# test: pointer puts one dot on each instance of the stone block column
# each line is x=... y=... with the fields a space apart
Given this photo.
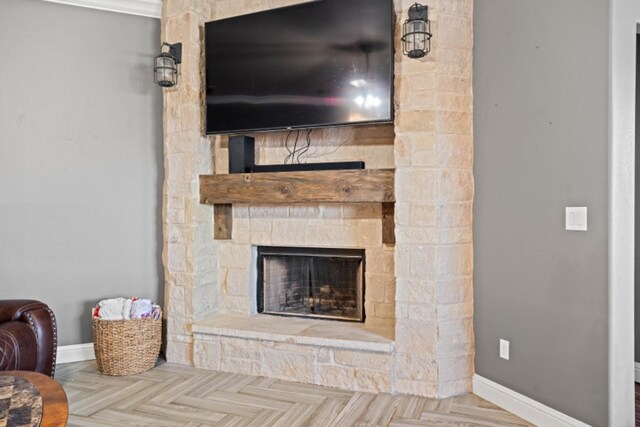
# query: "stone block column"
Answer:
x=434 y=193
x=189 y=252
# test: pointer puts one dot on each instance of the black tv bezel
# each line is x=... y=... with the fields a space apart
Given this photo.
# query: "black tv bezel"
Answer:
x=306 y=126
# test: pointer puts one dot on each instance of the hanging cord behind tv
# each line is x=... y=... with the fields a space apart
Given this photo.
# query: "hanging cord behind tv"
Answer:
x=298 y=153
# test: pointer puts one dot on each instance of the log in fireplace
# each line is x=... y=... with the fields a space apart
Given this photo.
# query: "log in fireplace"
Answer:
x=311 y=282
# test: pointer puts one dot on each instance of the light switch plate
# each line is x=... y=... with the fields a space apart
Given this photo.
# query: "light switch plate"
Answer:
x=576 y=218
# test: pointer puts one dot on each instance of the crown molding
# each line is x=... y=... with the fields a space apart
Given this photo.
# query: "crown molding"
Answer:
x=149 y=8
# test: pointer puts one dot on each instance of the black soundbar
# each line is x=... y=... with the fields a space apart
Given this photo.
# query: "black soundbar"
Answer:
x=306 y=167
x=242 y=160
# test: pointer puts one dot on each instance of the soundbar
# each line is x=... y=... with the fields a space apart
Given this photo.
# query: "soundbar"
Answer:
x=306 y=167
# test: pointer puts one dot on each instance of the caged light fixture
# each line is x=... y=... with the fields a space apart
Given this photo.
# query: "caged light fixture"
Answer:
x=165 y=69
x=416 y=32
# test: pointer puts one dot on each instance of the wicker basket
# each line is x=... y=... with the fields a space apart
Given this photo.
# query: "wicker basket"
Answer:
x=126 y=347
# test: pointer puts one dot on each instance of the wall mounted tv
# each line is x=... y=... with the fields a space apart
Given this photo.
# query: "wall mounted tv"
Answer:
x=321 y=63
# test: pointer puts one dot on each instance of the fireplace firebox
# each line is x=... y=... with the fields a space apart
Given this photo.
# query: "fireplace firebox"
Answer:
x=309 y=282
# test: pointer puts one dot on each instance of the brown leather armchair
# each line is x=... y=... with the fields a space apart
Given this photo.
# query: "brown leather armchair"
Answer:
x=28 y=337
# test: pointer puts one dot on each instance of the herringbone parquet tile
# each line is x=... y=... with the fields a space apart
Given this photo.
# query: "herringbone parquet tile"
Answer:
x=172 y=395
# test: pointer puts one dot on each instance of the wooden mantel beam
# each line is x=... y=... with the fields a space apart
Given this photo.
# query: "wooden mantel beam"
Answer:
x=338 y=186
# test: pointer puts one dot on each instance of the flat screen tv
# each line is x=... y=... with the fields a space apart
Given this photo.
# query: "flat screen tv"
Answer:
x=321 y=63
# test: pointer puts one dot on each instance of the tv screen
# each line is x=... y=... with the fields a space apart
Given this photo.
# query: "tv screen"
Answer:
x=323 y=63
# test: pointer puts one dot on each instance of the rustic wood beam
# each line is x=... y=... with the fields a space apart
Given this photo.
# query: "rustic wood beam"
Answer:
x=388 y=223
x=222 y=222
x=339 y=186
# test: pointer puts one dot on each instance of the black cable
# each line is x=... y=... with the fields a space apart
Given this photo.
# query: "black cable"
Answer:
x=305 y=149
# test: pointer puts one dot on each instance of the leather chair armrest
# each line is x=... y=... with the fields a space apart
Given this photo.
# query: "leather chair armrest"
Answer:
x=42 y=322
x=14 y=309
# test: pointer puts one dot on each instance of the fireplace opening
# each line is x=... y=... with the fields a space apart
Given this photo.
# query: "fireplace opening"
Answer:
x=310 y=282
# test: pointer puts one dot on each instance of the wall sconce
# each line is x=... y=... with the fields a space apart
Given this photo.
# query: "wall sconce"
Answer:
x=416 y=32
x=165 y=70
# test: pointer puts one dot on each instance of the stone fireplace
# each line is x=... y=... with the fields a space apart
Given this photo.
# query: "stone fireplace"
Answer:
x=417 y=334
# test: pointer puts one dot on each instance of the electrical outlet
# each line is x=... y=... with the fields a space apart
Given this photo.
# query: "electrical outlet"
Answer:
x=504 y=349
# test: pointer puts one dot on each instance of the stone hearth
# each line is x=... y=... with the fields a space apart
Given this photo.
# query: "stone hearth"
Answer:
x=418 y=333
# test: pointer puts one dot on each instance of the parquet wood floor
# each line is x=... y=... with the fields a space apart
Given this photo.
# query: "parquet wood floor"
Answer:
x=173 y=395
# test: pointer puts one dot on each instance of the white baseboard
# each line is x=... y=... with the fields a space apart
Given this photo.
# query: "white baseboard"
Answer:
x=75 y=353
x=522 y=406
x=637 y=372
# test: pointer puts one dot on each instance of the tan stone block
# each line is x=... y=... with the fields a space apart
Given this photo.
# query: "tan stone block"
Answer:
x=177 y=233
x=372 y=381
x=403 y=213
x=418 y=312
x=176 y=257
x=454 y=31
x=202 y=301
x=363 y=359
x=330 y=211
x=454 y=84
x=379 y=156
x=424 y=261
x=379 y=260
x=455 y=260
x=234 y=256
x=375 y=287
x=455 y=185
x=416 y=337
x=390 y=289
x=385 y=310
x=304 y=211
x=236 y=282
x=403 y=261
x=268 y=211
x=335 y=376
x=238 y=348
x=325 y=355
x=416 y=185
x=174 y=216
x=424 y=159
x=190 y=116
x=239 y=366
x=206 y=355
x=454 y=61
x=416 y=121
x=423 y=215
x=288 y=365
x=369 y=233
x=235 y=305
x=456 y=7
x=330 y=236
x=453 y=122
x=455 y=368
x=455 y=151
x=417 y=235
x=417 y=368
x=180 y=353
x=289 y=232
x=402 y=151
x=456 y=338
x=453 y=235
x=455 y=214
x=260 y=225
x=452 y=291
x=454 y=102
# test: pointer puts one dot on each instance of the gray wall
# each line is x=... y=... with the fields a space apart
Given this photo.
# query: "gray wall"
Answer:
x=637 y=207
x=80 y=159
x=541 y=123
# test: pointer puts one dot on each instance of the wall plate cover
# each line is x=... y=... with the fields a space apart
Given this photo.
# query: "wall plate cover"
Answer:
x=576 y=218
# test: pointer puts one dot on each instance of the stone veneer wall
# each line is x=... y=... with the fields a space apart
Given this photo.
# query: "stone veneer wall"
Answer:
x=432 y=154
